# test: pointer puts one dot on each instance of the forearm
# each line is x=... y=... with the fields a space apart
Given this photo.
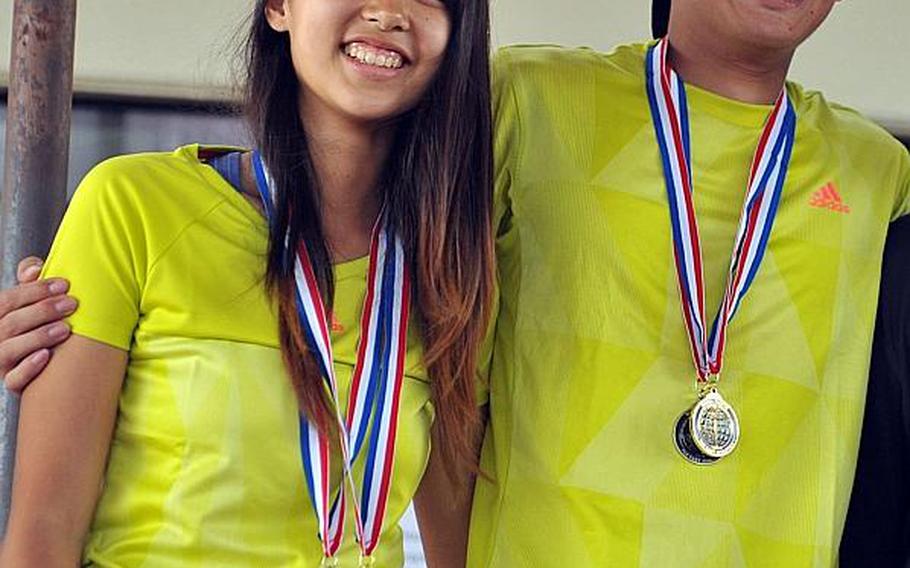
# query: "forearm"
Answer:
x=66 y=420
x=444 y=512
x=40 y=540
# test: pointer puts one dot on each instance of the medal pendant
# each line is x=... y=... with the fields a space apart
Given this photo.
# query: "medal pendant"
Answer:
x=714 y=426
x=708 y=431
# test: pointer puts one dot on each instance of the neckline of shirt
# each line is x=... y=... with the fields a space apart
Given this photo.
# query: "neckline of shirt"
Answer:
x=745 y=114
x=345 y=270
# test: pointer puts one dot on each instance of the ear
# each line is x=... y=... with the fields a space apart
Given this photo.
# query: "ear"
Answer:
x=277 y=14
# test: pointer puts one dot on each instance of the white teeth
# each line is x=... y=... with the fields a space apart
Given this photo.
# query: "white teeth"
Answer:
x=369 y=55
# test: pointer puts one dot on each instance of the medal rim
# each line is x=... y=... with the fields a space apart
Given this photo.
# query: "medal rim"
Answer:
x=682 y=423
x=714 y=397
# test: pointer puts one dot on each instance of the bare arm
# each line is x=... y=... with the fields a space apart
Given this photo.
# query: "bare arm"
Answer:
x=66 y=421
x=444 y=512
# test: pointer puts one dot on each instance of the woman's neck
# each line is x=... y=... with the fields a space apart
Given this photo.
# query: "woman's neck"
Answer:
x=349 y=157
x=349 y=160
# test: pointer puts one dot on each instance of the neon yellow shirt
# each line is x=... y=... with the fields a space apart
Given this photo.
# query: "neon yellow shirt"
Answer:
x=591 y=364
x=167 y=261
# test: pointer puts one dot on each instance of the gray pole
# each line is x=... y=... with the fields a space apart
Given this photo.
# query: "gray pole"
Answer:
x=39 y=105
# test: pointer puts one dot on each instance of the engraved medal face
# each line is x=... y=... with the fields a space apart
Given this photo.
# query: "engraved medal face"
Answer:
x=713 y=426
x=685 y=445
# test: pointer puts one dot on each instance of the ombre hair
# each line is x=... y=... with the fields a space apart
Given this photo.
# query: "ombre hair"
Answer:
x=436 y=191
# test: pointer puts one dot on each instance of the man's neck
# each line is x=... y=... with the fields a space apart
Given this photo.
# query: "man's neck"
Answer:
x=750 y=75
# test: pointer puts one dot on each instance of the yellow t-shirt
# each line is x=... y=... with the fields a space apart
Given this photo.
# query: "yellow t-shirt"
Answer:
x=591 y=363
x=167 y=261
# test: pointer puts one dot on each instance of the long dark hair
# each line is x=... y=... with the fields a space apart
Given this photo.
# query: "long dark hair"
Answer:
x=436 y=188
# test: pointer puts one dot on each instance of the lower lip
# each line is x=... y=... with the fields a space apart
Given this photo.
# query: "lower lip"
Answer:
x=372 y=71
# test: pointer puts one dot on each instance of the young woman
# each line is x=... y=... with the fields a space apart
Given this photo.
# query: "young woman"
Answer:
x=164 y=430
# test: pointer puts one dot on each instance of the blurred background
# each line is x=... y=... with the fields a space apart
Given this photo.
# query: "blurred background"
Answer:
x=155 y=75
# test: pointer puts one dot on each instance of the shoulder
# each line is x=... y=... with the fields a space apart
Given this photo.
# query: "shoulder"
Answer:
x=537 y=85
x=560 y=68
x=149 y=184
x=528 y=59
x=855 y=144
x=146 y=173
x=841 y=123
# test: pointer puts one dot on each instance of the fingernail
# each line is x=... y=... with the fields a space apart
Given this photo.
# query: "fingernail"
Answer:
x=65 y=306
x=31 y=272
x=58 y=331
x=39 y=357
x=58 y=286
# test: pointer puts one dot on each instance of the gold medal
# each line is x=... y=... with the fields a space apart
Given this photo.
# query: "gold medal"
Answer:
x=708 y=431
x=714 y=425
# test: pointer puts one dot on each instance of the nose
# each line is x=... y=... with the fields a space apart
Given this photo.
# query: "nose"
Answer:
x=387 y=15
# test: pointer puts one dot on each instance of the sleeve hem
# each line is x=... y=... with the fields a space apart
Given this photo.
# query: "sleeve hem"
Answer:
x=103 y=332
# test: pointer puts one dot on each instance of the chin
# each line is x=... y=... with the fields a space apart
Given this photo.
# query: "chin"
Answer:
x=773 y=39
x=777 y=37
x=783 y=24
x=375 y=113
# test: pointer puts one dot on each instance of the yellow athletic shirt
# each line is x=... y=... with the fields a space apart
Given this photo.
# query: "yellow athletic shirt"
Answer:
x=591 y=363
x=167 y=261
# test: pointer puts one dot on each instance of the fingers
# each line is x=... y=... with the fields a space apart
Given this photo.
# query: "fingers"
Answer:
x=23 y=373
x=31 y=316
x=29 y=269
x=23 y=356
x=27 y=294
x=30 y=324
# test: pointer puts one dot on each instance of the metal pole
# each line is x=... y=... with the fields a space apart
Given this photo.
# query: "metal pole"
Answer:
x=39 y=104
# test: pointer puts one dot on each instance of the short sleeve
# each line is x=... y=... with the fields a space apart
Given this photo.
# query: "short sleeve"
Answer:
x=100 y=248
x=506 y=138
x=506 y=152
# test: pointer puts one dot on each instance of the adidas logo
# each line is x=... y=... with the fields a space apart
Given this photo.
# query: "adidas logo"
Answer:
x=335 y=325
x=828 y=198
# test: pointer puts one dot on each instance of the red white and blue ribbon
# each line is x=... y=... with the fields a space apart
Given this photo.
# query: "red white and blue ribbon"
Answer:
x=669 y=112
x=371 y=420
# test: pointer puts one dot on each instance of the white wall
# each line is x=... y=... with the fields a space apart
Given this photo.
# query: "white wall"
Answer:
x=156 y=48
x=181 y=48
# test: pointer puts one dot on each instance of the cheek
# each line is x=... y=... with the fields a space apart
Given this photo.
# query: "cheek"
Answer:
x=315 y=30
x=309 y=68
x=435 y=32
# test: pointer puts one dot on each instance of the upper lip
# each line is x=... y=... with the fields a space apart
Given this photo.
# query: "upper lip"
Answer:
x=381 y=44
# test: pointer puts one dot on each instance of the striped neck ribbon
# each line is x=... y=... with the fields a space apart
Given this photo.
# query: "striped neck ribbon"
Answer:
x=370 y=425
x=667 y=98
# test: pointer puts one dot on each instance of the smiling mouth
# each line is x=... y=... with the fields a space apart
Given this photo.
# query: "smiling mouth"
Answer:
x=374 y=56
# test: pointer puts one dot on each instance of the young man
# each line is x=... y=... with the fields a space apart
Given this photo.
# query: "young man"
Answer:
x=623 y=430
